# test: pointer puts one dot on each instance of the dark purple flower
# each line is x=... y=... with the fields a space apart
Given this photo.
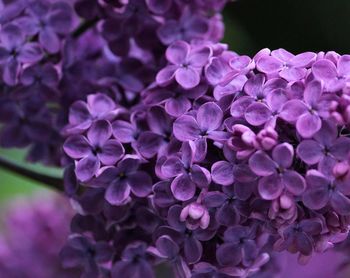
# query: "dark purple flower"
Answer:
x=191 y=240
x=187 y=175
x=123 y=179
x=42 y=80
x=322 y=191
x=206 y=124
x=186 y=65
x=239 y=247
x=97 y=107
x=275 y=172
x=325 y=149
x=14 y=50
x=307 y=115
x=133 y=262
x=298 y=237
x=176 y=100
x=81 y=252
x=228 y=206
x=95 y=149
x=48 y=20
x=188 y=27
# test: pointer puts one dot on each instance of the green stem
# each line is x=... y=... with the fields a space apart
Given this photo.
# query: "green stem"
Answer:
x=52 y=182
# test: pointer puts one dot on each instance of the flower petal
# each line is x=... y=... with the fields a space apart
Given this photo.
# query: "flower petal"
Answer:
x=112 y=151
x=140 y=183
x=193 y=250
x=222 y=173
x=270 y=187
x=283 y=154
x=77 y=146
x=99 y=132
x=269 y=64
x=261 y=164
x=292 y=110
x=257 y=114
x=209 y=116
x=166 y=75
x=187 y=77
x=316 y=198
x=310 y=151
x=324 y=70
x=308 y=124
x=183 y=188
x=186 y=128
x=177 y=52
x=117 y=193
x=294 y=182
x=123 y=131
x=340 y=203
x=87 y=167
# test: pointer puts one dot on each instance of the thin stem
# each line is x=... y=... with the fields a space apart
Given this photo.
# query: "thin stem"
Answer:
x=82 y=28
x=52 y=182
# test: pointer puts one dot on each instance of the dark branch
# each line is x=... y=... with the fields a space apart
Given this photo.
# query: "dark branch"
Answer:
x=82 y=28
x=52 y=182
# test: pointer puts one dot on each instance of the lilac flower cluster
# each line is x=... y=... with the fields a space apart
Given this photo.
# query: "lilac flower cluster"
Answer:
x=32 y=233
x=53 y=53
x=176 y=149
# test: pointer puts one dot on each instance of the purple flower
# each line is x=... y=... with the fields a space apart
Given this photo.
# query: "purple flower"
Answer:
x=188 y=27
x=239 y=247
x=191 y=240
x=325 y=149
x=186 y=65
x=133 y=262
x=41 y=80
x=264 y=100
x=307 y=114
x=176 y=100
x=275 y=172
x=83 y=114
x=241 y=141
x=323 y=191
x=229 y=207
x=333 y=76
x=123 y=179
x=287 y=65
x=154 y=141
x=95 y=149
x=167 y=249
x=195 y=215
x=82 y=252
x=48 y=21
x=298 y=237
x=205 y=124
x=187 y=175
x=14 y=50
